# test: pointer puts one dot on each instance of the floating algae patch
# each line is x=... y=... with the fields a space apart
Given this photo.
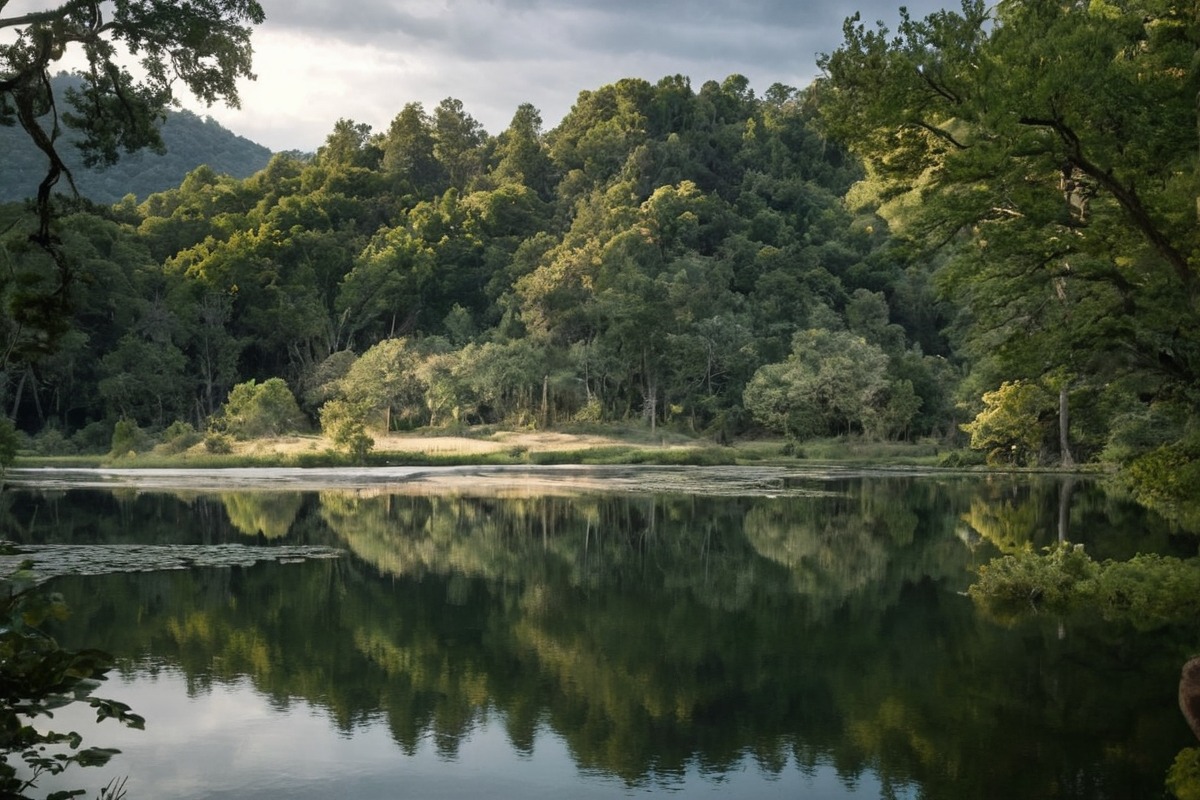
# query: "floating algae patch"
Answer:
x=54 y=560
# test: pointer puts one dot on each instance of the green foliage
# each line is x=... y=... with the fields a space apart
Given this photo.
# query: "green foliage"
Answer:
x=1032 y=579
x=128 y=438
x=37 y=676
x=1183 y=778
x=218 y=443
x=203 y=45
x=345 y=423
x=8 y=443
x=95 y=437
x=1010 y=427
x=1166 y=479
x=50 y=441
x=260 y=409
x=833 y=382
x=997 y=141
x=1136 y=432
x=1147 y=591
x=625 y=271
x=381 y=383
x=177 y=437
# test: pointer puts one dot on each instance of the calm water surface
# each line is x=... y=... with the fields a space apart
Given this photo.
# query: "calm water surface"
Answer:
x=692 y=634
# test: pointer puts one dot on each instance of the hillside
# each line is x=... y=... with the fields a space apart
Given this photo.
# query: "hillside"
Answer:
x=700 y=261
x=191 y=141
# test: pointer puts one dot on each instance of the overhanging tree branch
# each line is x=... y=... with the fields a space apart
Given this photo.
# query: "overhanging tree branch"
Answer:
x=1126 y=197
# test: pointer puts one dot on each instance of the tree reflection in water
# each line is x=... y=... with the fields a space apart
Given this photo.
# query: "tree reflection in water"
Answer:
x=661 y=633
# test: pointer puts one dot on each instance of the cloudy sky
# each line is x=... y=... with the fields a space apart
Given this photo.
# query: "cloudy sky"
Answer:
x=320 y=60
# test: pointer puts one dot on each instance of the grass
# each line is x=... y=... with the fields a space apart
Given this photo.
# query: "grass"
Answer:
x=859 y=450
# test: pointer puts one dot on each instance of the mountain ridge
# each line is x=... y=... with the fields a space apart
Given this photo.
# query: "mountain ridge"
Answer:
x=190 y=140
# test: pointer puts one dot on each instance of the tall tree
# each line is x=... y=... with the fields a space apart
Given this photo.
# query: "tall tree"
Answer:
x=458 y=138
x=1055 y=146
x=523 y=155
x=408 y=152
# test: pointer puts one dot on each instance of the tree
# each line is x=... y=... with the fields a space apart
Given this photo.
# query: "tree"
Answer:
x=143 y=379
x=1010 y=426
x=1054 y=147
x=384 y=380
x=349 y=145
x=266 y=409
x=523 y=156
x=205 y=44
x=457 y=140
x=408 y=151
x=832 y=382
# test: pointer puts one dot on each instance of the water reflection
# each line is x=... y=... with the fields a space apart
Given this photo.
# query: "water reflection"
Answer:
x=653 y=640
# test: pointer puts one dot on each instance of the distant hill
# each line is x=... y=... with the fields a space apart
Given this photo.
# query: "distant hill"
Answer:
x=191 y=140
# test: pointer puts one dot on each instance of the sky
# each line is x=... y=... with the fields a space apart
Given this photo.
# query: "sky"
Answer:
x=363 y=60
x=321 y=60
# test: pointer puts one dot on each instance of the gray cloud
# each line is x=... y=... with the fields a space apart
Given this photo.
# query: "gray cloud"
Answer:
x=496 y=54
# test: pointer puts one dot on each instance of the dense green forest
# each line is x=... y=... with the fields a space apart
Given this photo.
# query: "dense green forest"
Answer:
x=936 y=239
x=188 y=140
x=641 y=260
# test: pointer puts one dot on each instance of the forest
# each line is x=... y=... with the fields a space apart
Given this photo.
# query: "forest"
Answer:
x=938 y=239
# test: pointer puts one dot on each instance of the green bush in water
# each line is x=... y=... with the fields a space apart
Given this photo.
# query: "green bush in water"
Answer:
x=1147 y=591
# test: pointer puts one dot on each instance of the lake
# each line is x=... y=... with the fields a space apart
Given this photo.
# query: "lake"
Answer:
x=592 y=632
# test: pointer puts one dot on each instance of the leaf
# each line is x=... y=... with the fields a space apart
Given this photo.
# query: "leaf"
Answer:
x=95 y=756
x=112 y=709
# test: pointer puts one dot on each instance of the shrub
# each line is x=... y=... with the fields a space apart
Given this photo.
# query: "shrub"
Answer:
x=1165 y=479
x=95 y=437
x=218 y=443
x=962 y=458
x=1028 y=577
x=266 y=409
x=1183 y=778
x=177 y=437
x=50 y=441
x=1146 y=591
x=345 y=425
x=128 y=438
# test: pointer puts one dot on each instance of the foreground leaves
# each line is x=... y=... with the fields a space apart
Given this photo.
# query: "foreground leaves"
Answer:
x=38 y=676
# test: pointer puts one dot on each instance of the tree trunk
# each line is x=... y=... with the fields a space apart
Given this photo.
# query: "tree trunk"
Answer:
x=1064 y=424
x=650 y=408
x=17 y=395
x=545 y=401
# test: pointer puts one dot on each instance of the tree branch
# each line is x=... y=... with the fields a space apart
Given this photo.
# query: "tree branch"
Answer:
x=945 y=136
x=1126 y=197
x=937 y=87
